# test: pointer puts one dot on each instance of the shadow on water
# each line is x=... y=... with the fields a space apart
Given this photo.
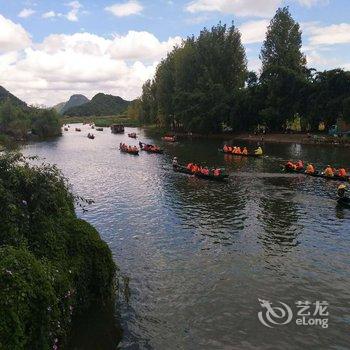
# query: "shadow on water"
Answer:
x=96 y=329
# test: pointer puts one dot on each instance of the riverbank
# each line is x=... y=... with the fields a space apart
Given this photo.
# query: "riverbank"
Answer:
x=300 y=138
x=104 y=121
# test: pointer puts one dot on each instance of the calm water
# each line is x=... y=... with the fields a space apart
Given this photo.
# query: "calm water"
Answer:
x=196 y=256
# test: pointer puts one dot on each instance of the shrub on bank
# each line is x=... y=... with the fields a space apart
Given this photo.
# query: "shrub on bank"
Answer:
x=52 y=264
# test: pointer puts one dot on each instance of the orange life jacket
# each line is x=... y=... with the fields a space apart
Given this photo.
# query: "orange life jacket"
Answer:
x=310 y=169
x=329 y=172
x=245 y=151
x=342 y=172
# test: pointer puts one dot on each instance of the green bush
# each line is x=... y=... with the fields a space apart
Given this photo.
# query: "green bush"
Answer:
x=57 y=262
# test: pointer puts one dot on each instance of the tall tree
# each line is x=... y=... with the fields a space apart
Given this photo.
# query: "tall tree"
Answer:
x=282 y=46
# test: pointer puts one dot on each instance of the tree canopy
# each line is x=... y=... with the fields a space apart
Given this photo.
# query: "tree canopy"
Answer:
x=203 y=85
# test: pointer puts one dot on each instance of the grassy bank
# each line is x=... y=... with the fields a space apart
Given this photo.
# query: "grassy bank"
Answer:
x=103 y=121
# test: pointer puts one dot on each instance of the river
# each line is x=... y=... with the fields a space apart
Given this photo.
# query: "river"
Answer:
x=196 y=256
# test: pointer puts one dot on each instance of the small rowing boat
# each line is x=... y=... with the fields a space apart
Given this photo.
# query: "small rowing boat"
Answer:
x=91 y=136
x=169 y=138
x=99 y=129
x=242 y=155
x=150 y=148
x=127 y=149
x=316 y=174
x=182 y=169
x=132 y=135
x=77 y=129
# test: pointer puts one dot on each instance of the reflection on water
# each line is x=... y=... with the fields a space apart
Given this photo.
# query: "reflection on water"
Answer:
x=195 y=256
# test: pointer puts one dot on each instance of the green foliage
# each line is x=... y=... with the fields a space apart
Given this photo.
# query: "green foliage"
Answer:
x=100 y=105
x=282 y=46
x=21 y=122
x=57 y=262
x=195 y=84
x=203 y=84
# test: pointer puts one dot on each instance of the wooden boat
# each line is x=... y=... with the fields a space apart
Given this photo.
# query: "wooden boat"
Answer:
x=316 y=174
x=344 y=202
x=125 y=150
x=77 y=129
x=147 y=148
x=242 y=155
x=169 y=138
x=117 y=129
x=182 y=169
x=99 y=129
x=132 y=135
x=91 y=136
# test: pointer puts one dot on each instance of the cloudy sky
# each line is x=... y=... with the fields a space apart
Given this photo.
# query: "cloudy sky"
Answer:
x=52 y=49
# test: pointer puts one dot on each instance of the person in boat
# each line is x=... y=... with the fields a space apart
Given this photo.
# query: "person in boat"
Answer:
x=229 y=149
x=299 y=165
x=217 y=172
x=245 y=151
x=258 y=151
x=225 y=148
x=341 y=172
x=310 y=169
x=329 y=171
x=290 y=165
x=341 y=191
x=189 y=166
x=237 y=150
x=205 y=171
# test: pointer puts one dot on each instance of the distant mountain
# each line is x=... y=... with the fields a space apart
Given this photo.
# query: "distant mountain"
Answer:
x=74 y=101
x=59 y=106
x=100 y=105
x=7 y=96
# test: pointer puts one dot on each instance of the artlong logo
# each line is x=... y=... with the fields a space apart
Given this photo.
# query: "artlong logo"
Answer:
x=274 y=315
x=282 y=314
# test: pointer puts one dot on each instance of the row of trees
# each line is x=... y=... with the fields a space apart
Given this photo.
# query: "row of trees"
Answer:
x=204 y=86
x=20 y=122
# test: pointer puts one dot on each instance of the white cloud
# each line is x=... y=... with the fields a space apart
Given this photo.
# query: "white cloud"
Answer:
x=310 y=3
x=254 y=31
x=329 y=35
x=141 y=45
x=129 y=8
x=72 y=15
x=240 y=8
x=25 y=13
x=49 y=14
x=12 y=36
x=61 y=65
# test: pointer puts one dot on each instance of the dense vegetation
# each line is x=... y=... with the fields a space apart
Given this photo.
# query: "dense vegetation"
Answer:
x=21 y=122
x=52 y=265
x=204 y=86
x=74 y=101
x=100 y=105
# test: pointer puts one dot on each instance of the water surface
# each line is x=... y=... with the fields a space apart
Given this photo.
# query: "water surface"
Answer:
x=196 y=256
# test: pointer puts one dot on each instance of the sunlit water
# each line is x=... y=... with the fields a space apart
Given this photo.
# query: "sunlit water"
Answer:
x=198 y=255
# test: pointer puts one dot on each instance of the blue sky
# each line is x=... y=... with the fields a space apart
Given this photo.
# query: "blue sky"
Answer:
x=119 y=43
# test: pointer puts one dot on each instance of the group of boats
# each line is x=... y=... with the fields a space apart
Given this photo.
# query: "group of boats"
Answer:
x=241 y=151
x=219 y=174
x=329 y=173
